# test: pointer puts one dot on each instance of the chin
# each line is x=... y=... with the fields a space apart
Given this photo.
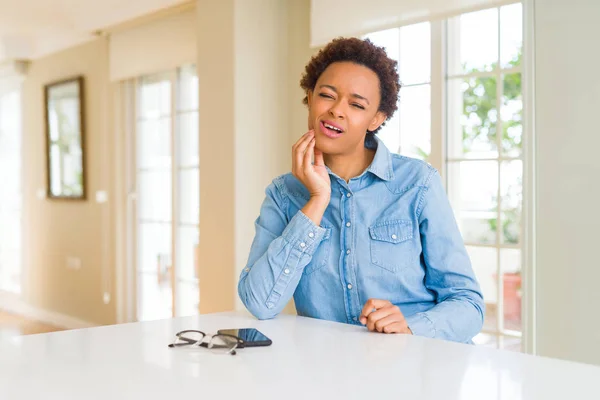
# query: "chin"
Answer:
x=327 y=146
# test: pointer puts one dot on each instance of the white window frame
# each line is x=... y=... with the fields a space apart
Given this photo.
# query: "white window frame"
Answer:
x=12 y=76
x=497 y=73
x=130 y=311
x=438 y=158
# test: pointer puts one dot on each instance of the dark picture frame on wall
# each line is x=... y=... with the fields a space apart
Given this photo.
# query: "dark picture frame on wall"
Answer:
x=65 y=139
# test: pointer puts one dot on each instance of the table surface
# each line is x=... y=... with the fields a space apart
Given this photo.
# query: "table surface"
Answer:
x=309 y=359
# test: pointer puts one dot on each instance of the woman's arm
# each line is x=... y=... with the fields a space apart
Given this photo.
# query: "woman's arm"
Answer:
x=460 y=309
x=279 y=253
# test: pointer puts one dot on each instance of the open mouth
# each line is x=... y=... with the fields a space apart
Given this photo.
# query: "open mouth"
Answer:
x=331 y=130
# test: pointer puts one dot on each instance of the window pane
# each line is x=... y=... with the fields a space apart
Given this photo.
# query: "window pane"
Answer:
x=487 y=340
x=154 y=297
x=188 y=139
x=511 y=35
x=188 y=298
x=473 y=42
x=511 y=344
x=188 y=88
x=187 y=247
x=189 y=196
x=512 y=115
x=415 y=121
x=389 y=40
x=415 y=54
x=55 y=169
x=154 y=241
x=390 y=132
x=473 y=193
x=510 y=261
x=503 y=343
x=154 y=143
x=154 y=200
x=10 y=191
x=511 y=190
x=472 y=118
x=155 y=97
x=485 y=261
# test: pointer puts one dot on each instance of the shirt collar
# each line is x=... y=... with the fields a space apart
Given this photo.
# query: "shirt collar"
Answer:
x=382 y=162
x=381 y=166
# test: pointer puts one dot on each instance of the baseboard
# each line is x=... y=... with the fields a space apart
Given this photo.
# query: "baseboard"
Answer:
x=15 y=305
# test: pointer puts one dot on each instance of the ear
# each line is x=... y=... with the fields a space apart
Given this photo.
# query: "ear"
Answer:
x=377 y=120
x=309 y=96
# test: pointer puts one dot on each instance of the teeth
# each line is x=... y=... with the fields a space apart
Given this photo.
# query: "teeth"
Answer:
x=332 y=127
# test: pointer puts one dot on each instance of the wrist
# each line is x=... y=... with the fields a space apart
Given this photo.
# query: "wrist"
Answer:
x=320 y=199
x=315 y=208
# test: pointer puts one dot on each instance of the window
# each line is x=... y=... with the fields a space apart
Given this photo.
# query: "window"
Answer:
x=10 y=190
x=482 y=161
x=484 y=165
x=168 y=194
x=409 y=131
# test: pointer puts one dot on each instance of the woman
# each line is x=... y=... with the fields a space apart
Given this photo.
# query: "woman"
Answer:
x=360 y=236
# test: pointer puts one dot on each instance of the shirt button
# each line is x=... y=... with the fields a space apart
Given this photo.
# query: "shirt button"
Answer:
x=302 y=244
x=348 y=224
x=348 y=251
x=394 y=237
x=348 y=194
x=349 y=286
x=247 y=270
x=311 y=235
x=286 y=271
x=355 y=319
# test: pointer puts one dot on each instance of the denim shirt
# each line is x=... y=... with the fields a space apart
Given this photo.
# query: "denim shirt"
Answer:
x=388 y=234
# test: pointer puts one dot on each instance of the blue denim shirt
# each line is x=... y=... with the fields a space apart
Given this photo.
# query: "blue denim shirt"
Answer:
x=389 y=234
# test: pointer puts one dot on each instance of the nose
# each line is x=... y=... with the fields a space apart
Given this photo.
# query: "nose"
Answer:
x=336 y=111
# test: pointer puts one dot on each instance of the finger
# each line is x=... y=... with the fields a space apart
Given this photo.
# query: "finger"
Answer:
x=309 y=153
x=397 y=327
x=378 y=315
x=370 y=306
x=390 y=319
x=319 y=158
x=301 y=139
x=300 y=149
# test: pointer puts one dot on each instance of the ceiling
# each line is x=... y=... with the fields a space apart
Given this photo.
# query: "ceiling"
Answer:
x=30 y=29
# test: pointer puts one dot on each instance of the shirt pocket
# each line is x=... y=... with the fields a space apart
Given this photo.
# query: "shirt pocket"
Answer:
x=391 y=244
x=320 y=257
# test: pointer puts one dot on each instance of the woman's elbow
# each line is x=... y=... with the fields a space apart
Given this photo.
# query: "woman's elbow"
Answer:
x=256 y=307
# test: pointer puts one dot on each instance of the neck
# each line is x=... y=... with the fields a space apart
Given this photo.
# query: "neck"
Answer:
x=348 y=166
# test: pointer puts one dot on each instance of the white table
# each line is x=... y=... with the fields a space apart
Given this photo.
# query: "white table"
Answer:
x=309 y=359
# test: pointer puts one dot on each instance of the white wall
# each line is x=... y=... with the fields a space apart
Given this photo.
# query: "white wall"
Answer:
x=250 y=55
x=568 y=178
x=261 y=117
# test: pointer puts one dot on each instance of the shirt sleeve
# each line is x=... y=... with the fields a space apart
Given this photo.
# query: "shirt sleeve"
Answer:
x=459 y=312
x=278 y=255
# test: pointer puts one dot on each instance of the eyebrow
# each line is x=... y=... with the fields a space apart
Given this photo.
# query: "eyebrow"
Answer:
x=358 y=96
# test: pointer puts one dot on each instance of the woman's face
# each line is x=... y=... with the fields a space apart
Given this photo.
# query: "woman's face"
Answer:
x=343 y=106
